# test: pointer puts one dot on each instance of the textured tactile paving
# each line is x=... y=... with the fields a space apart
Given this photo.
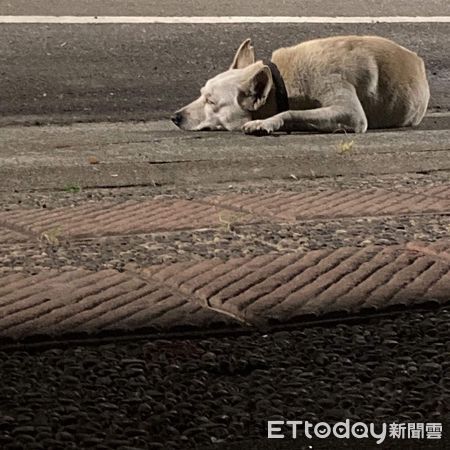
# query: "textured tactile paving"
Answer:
x=440 y=249
x=8 y=236
x=136 y=217
x=439 y=191
x=275 y=284
x=329 y=203
x=81 y=301
x=258 y=290
x=132 y=217
x=283 y=287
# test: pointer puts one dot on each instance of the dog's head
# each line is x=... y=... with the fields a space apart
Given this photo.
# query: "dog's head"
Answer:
x=230 y=99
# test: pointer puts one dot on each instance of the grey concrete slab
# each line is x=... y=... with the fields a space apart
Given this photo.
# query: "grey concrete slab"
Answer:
x=93 y=155
x=233 y=7
x=69 y=73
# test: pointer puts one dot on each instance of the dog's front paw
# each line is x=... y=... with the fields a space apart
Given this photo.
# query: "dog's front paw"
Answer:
x=261 y=127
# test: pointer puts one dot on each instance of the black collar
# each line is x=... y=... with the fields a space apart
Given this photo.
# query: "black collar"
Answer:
x=280 y=87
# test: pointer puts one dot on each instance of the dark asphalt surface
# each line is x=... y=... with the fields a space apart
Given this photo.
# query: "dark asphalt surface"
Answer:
x=228 y=8
x=199 y=392
x=64 y=73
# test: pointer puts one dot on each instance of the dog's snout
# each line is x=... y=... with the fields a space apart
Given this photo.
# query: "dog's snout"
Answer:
x=177 y=118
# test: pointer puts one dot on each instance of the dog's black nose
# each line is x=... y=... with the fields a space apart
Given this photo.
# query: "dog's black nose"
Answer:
x=177 y=118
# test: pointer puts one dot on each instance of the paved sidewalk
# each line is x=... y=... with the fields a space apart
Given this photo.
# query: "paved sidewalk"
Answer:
x=132 y=154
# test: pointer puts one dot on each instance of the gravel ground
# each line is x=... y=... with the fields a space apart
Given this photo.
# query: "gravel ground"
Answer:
x=73 y=195
x=243 y=240
x=186 y=393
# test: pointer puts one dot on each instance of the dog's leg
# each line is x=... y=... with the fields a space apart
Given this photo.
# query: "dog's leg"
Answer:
x=344 y=112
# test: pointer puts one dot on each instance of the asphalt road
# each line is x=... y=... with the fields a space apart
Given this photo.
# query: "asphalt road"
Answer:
x=62 y=73
x=230 y=7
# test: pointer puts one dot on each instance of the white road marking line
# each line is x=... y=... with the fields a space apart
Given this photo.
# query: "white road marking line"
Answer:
x=219 y=19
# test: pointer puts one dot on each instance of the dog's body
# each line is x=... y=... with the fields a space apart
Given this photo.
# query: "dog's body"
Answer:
x=349 y=82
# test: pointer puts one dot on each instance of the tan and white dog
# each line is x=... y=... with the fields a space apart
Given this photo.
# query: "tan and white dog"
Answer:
x=347 y=83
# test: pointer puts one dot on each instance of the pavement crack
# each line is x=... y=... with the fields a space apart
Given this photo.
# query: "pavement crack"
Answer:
x=177 y=161
x=176 y=291
x=229 y=314
x=426 y=250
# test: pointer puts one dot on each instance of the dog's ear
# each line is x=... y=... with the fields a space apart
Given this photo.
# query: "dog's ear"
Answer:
x=255 y=87
x=244 y=56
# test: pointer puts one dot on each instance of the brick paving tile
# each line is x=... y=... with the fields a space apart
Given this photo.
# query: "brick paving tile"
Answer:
x=337 y=203
x=137 y=217
x=132 y=217
x=282 y=287
x=439 y=249
x=440 y=191
x=8 y=236
x=77 y=300
x=258 y=290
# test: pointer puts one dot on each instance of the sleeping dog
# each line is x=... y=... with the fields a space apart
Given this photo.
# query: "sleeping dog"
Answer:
x=349 y=83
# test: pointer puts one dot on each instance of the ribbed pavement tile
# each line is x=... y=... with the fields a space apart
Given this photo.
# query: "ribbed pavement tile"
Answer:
x=131 y=217
x=284 y=287
x=82 y=301
x=211 y=293
x=136 y=217
x=330 y=203
x=8 y=236
x=440 y=249
x=439 y=191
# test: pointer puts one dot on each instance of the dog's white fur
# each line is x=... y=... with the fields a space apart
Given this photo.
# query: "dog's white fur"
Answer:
x=346 y=82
